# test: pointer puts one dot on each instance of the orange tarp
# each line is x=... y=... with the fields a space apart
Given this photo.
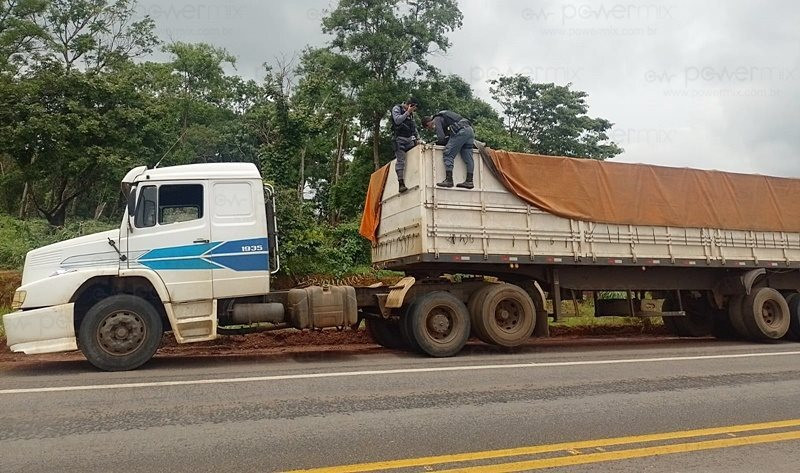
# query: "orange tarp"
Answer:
x=641 y=194
x=371 y=217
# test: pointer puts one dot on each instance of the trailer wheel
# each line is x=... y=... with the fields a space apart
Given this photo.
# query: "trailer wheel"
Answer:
x=438 y=323
x=503 y=314
x=699 y=320
x=735 y=315
x=120 y=333
x=386 y=333
x=766 y=314
x=794 y=311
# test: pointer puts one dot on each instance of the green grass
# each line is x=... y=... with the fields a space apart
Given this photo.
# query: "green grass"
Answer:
x=586 y=318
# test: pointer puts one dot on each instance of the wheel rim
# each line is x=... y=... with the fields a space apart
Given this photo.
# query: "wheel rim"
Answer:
x=507 y=315
x=121 y=333
x=771 y=314
x=439 y=323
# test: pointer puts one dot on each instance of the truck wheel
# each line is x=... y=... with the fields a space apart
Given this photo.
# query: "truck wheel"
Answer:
x=699 y=320
x=794 y=311
x=438 y=323
x=766 y=314
x=503 y=314
x=735 y=316
x=120 y=333
x=386 y=333
x=475 y=308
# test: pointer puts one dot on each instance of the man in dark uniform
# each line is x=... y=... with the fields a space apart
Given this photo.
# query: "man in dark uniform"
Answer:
x=455 y=133
x=405 y=136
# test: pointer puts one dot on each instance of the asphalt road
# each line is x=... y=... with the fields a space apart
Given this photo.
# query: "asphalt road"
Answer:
x=614 y=406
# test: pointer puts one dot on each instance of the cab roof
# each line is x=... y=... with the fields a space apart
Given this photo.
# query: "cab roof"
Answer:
x=199 y=171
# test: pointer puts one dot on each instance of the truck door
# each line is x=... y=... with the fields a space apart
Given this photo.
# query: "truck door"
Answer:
x=171 y=235
x=239 y=229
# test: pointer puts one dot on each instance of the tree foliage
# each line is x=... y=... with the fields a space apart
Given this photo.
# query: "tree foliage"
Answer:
x=552 y=118
x=387 y=43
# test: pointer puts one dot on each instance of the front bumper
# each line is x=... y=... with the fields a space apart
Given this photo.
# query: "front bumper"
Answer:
x=46 y=330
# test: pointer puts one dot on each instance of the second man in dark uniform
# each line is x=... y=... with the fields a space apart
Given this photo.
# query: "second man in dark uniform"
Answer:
x=455 y=133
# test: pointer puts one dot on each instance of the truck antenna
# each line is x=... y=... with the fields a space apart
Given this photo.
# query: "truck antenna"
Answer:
x=183 y=133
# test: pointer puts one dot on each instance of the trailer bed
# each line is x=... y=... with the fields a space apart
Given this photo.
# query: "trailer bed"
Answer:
x=490 y=224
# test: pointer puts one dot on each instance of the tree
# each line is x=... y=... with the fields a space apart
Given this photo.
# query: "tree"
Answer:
x=387 y=42
x=552 y=118
x=100 y=33
x=18 y=29
x=63 y=124
x=70 y=134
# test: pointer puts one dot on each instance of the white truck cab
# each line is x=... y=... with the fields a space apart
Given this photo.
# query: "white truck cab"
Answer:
x=192 y=235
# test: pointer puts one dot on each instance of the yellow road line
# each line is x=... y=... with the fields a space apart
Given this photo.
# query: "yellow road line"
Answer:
x=535 y=449
x=628 y=454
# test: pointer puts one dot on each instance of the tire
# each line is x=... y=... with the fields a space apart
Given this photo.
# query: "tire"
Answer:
x=503 y=315
x=735 y=316
x=794 y=310
x=405 y=328
x=699 y=319
x=474 y=306
x=386 y=333
x=438 y=323
x=723 y=329
x=137 y=333
x=766 y=314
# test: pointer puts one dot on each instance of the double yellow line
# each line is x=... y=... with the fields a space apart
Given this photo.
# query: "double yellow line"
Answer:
x=576 y=457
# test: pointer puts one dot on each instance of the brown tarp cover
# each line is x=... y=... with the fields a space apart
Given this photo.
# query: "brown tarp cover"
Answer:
x=371 y=217
x=637 y=194
x=642 y=194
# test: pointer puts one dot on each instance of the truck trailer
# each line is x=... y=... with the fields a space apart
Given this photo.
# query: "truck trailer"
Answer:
x=709 y=252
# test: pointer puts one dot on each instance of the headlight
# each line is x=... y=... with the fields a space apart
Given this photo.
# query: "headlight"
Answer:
x=19 y=299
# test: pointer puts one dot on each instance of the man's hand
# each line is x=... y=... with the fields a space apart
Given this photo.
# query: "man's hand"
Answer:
x=412 y=109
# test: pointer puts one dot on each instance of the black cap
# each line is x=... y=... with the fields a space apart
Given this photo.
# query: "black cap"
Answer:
x=412 y=101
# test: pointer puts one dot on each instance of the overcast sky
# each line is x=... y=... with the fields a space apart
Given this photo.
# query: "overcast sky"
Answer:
x=714 y=84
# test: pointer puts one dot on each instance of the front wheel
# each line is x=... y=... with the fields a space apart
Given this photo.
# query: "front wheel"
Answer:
x=120 y=333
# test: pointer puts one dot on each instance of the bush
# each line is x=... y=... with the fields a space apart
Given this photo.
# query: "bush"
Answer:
x=17 y=237
x=309 y=246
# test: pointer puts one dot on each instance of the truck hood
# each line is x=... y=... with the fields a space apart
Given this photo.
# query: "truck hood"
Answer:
x=71 y=255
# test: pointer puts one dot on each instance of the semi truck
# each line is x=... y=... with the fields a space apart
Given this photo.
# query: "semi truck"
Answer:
x=708 y=252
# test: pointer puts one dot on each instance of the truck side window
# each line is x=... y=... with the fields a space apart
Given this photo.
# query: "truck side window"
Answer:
x=179 y=203
x=146 y=208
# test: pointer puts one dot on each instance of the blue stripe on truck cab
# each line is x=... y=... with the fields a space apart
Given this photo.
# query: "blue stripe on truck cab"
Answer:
x=238 y=255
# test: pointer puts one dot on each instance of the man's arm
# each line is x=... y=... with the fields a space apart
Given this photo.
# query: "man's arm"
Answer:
x=441 y=138
x=398 y=116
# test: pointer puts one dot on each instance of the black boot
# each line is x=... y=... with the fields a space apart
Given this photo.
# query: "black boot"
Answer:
x=448 y=180
x=467 y=184
x=402 y=185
